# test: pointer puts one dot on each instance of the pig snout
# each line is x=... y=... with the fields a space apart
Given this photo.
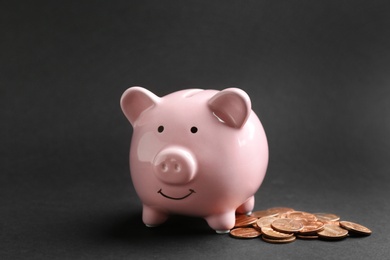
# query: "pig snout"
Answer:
x=175 y=165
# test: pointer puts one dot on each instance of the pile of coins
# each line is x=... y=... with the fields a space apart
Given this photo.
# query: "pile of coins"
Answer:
x=284 y=225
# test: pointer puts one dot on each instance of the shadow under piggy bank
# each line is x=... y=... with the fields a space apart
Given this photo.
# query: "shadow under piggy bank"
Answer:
x=130 y=228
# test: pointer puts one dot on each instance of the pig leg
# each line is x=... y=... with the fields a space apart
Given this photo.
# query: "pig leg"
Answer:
x=153 y=217
x=247 y=206
x=222 y=223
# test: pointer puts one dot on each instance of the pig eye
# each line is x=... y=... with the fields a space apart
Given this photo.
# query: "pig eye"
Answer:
x=194 y=129
x=160 y=129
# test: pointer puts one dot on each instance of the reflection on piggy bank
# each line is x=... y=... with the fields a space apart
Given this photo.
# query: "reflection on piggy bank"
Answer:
x=195 y=152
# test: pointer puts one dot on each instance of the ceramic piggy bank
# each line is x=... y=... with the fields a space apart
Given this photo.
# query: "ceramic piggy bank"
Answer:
x=195 y=152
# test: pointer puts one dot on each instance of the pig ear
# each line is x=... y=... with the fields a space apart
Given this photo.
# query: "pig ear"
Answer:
x=232 y=106
x=136 y=100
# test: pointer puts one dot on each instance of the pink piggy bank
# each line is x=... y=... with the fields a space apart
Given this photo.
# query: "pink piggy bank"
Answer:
x=195 y=152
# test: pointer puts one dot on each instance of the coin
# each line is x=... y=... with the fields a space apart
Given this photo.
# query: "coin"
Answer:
x=279 y=210
x=247 y=232
x=283 y=225
x=271 y=233
x=287 y=225
x=355 y=228
x=244 y=220
x=299 y=215
x=333 y=232
x=271 y=212
x=311 y=227
x=325 y=217
x=263 y=213
x=254 y=225
x=307 y=236
x=278 y=241
x=337 y=223
x=265 y=221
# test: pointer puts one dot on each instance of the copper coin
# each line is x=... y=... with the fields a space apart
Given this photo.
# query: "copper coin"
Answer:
x=311 y=226
x=299 y=215
x=337 y=223
x=278 y=241
x=244 y=220
x=283 y=225
x=271 y=233
x=263 y=213
x=325 y=217
x=333 y=232
x=265 y=221
x=287 y=225
x=307 y=236
x=245 y=232
x=279 y=210
x=254 y=225
x=355 y=228
x=271 y=212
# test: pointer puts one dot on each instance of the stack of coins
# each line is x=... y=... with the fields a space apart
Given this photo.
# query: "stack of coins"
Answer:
x=284 y=225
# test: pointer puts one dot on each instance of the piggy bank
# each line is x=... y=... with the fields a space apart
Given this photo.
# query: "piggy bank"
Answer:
x=195 y=152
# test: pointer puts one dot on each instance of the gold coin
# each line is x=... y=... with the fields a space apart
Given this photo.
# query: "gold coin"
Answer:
x=333 y=232
x=245 y=232
x=271 y=233
x=326 y=217
x=244 y=220
x=278 y=241
x=287 y=225
x=355 y=228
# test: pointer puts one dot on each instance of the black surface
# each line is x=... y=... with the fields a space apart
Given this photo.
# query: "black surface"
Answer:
x=317 y=74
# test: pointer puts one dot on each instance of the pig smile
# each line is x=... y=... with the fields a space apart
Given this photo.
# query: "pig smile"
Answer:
x=173 y=198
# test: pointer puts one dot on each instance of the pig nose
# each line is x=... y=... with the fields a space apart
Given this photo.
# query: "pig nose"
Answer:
x=175 y=165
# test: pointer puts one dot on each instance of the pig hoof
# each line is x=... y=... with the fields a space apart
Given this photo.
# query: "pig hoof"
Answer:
x=151 y=226
x=227 y=231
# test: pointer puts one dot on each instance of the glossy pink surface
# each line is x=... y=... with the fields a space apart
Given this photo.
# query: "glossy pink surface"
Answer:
x=195 y=152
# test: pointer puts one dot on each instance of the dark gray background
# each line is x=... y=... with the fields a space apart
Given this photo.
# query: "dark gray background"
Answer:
x=318 y=76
